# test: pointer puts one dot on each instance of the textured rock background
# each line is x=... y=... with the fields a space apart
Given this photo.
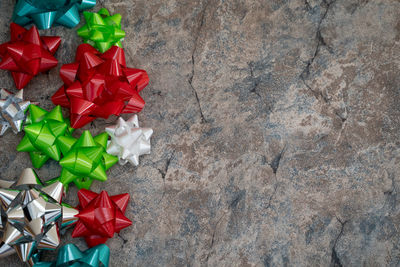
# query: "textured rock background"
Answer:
x=276 y=132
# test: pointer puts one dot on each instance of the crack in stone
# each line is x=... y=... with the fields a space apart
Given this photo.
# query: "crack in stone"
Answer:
x=320 y=43
x=164 y=173
x=254 y=80
x=393 y=189
x=232 y=205
x=213 y=237
x=202 y=20
x=236 y=200
x=271 y=197
x=123 y=240
x=276 y=161
x=335 y=260
x=308 y=6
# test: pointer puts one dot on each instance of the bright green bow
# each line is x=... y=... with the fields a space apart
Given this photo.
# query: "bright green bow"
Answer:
x=84 y=159
x=102 y=30
x=70 y=255
x=41 y=132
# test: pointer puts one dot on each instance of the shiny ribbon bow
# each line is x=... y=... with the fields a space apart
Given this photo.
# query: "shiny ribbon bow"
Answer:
x=128 y=141
x=12 y=111
x=100 y=85
x=84 y=159
x=32 y=216
x=102 y=30
x=42 y=129
x=45 y=13
x=100 y=216
x=28 y=54
x=71 y=255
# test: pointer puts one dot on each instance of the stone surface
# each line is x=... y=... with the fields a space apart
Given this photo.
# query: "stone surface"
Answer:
x=276 y=132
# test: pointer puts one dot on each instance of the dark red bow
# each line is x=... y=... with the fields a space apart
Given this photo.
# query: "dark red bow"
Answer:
x=100 y=85
x=100 y=216
x=28 y=54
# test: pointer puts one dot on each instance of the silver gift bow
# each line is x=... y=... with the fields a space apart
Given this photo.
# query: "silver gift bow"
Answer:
x=128 y=140
x=31 y=216
x=12 y=110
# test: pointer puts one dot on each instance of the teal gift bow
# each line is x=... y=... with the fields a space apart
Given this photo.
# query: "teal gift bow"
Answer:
x=70 y=255
x=45 y=13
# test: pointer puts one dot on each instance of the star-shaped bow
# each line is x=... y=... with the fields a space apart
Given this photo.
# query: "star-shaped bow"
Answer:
x=128 y=141
x=100 y=85
x=71 y=255
x=102 y=30
x=41 y=132
x=100 y=216
x=84 y=159
x=31 y=216
x=12 y=111
x=45 y=13
x=28 y=54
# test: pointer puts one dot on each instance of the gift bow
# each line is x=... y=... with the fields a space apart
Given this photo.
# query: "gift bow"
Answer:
x=71 y=255
x=100 y=216
x=41 y=132
x=28 y=53
x=128 y=141
x=100 y=85
x=12 y=111
x=102 y=30
x=31 y=216
x=85 y=159
x=45 y=13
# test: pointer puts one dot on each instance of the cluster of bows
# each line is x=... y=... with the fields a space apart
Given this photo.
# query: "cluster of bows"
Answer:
x=97 y=85
x=100 y=85
x=45 y=13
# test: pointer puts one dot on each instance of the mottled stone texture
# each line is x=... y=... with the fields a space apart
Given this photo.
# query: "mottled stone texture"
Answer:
x=276 y=132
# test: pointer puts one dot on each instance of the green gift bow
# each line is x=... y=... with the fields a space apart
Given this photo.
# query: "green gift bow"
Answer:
x=42 y=130
x=70 y=255
x=84 y=159
x=102 y=30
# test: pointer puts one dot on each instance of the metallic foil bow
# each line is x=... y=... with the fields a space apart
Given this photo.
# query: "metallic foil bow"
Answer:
x=128 y=141
x=28 y=54
x=84 y=159
x=45 y=13
x=71 y=255
x=12 y=111
x=31 y=216
x=100 y=216
x=102 y=30
x=100 y=85
x=42 y=129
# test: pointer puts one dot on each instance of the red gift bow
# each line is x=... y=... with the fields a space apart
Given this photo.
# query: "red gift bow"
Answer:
x=28 y=54
x=100 y=85
x=100 y=216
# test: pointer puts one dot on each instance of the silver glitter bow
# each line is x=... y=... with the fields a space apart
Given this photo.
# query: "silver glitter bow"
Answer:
x=12 y=111
x=128 y=141
x=31 y=216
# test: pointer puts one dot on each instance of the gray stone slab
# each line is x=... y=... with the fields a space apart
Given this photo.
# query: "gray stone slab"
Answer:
x=276 y=132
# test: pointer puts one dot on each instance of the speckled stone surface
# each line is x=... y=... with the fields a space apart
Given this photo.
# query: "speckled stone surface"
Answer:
x=277 y=132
